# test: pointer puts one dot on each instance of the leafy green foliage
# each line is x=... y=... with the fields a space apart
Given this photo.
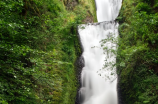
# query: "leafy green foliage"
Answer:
x=38 y=46
x=137 y=55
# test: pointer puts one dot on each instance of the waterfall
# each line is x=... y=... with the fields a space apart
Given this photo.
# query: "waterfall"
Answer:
x=98 y=83
x=107 y=10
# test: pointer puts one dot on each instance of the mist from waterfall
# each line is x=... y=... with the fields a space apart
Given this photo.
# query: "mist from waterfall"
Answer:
x=98 y=83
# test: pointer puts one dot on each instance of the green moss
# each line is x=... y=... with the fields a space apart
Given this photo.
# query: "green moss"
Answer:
x=93 y=9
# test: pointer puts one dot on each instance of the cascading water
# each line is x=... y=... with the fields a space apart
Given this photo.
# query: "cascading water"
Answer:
x=98 y=83
x=107 y=10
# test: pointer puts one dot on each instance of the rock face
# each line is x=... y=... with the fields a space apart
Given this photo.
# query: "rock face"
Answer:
x=79 y=65
x=88 y=19
x=70 y=4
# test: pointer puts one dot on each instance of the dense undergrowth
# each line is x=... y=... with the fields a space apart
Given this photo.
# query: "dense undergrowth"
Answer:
x=137 y=56
x=38 y=48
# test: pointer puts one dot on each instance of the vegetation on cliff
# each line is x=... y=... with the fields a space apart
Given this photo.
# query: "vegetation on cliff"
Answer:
x=137 y=56
x=38 y=48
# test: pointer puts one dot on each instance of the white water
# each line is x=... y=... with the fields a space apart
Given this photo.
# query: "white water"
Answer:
x=98 y=84
x=107 y=10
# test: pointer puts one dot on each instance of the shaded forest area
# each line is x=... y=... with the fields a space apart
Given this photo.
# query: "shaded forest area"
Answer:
x=137 y=56
x=38 y=49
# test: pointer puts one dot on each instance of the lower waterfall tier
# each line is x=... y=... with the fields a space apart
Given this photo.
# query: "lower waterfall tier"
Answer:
x=98 y=77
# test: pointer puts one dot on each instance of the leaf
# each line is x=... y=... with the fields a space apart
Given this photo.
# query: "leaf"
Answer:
x=122 y=64
x=146 y=102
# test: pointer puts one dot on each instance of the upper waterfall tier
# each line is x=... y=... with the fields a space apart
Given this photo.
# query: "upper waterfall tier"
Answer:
x=107 y=10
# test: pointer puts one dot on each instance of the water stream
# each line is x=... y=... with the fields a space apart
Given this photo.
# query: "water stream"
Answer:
x=98 y=83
